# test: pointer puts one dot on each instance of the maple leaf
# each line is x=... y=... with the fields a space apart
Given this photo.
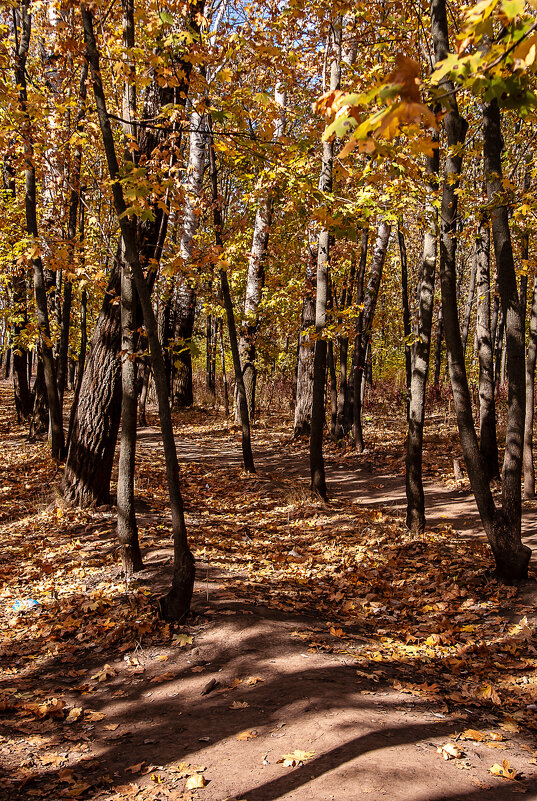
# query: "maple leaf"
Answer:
x=105 y=673
x=504 y=771
x=296 y=758
x=239 y=705
x=450 y=751
x=182 y=639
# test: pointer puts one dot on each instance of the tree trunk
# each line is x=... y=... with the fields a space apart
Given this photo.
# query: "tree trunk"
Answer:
x=406 y=310
x=176 y=604
x=470 y=301
x=318 y=480
x=529 y=470
x=512 y=556
x=487 y=406
x=500 y=525
x=127 y=529
x=224 y=371
x=30 y=202
x=415 y=510
x=185 y=301
x=304 y=369
x=365 y=322
x=247 y=455
x=88 y=469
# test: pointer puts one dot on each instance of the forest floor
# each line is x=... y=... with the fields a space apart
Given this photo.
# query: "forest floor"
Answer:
x=329 y=655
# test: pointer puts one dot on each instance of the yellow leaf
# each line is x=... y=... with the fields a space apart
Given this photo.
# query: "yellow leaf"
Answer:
x=196 y=781
x=473 y=734
x=296 y=758
x=75 y=714
x=251 y=680
x=182 y=639
x=239 y=705
x=505 y=771
x=450 y=751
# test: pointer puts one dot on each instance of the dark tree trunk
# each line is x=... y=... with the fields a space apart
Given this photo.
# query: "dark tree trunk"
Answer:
x=333 y=388
x=176 y=604
x=81 y=356
x=529 y=470
x=87 y=474
x=511 y=555
x=438 y=349
x=470 y=301
x=365 y=323
x=144 y=389
x=224 y=371
x=488 y=444
x=318 y=479
x=501 y=526
x=86 y=480
x=39 y=421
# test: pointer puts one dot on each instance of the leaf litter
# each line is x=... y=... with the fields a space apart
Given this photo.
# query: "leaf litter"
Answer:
x=420 y=614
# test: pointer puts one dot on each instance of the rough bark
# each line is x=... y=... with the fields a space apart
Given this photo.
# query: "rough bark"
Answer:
x=529 y=470
x=88 y=469
x=415 y=511
x=317 y=471
x=502 y=526
x=176 y=604
x=488 y=444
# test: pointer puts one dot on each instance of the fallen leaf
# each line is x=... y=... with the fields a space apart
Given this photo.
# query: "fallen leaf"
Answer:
x=296 y=758
x=450 y=751
x=106 y=673
x=75 y=714
x=239 y=705
x=182 y=639
x=246 y=735
x=505 y=771
x=196 y=781
x=252 y=680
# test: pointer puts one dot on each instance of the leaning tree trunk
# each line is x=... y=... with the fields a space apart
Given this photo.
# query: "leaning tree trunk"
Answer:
x=176 y=604
x=501 y=526
x=86 y=479
x=511 y=555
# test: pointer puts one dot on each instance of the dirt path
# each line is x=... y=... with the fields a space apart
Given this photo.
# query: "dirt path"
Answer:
x=249 y=684
x=355 y=478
